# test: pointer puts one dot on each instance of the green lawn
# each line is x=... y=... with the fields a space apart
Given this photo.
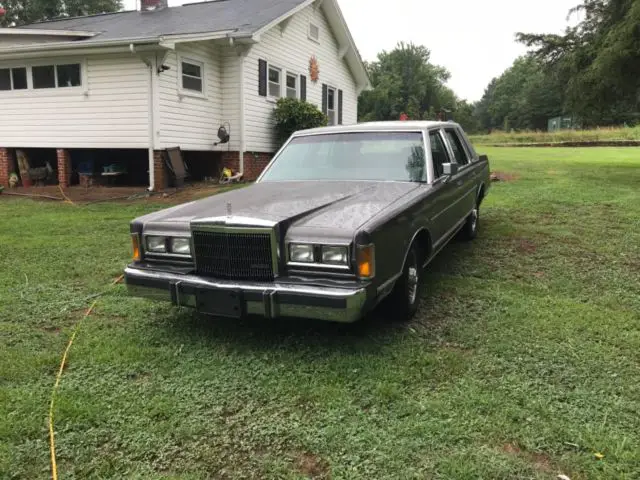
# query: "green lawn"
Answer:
x=523 y=363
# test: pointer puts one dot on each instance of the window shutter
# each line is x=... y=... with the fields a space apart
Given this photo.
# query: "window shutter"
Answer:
x=262 y=78
x=339 y=107
x=303 y=88
x=325 y=98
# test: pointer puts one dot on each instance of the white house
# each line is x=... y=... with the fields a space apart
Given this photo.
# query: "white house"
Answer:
x=135 y=83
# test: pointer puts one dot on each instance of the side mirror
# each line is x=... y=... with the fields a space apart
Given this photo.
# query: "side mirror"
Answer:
x=450 y=169
x=483 y=158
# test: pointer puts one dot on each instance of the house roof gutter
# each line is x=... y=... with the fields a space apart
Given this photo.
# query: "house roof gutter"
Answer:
x=35 y=32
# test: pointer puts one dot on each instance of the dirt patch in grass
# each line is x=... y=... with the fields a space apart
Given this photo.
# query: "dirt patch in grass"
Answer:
x=504 y=177
x=312 y=466
x=540 y=461
x=99 y=194
x=526 y=246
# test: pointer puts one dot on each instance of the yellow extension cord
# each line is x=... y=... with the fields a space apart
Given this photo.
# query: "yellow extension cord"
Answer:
x=52 y=440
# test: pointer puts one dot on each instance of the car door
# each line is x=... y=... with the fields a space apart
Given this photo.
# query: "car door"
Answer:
x=465 y=179
x=442 y=214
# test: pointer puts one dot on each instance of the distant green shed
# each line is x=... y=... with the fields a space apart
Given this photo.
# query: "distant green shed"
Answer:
x=562 y=123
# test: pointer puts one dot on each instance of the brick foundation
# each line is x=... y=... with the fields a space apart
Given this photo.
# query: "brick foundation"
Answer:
x=160 y=175
x=254 y=163
x=7 y=165
x=64 y=167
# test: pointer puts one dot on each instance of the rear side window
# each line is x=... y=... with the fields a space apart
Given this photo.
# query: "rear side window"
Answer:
x=458 y=149
x=438 y=153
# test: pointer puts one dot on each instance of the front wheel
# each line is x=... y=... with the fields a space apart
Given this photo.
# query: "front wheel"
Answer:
x=405 y=296
x=470 y=229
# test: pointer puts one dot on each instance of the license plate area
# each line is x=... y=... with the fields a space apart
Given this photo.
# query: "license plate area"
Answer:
x=220 y=303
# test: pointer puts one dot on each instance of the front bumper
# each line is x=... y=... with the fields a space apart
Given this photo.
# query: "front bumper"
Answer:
x=271 y=300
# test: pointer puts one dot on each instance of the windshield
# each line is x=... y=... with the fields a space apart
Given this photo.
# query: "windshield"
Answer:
x=384 y=156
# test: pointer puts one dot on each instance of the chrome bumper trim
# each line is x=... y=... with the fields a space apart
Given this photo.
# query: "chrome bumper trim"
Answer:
x=269 y=300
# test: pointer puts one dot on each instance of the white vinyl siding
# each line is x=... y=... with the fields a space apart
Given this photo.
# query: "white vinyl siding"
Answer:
x=230 y=95
x=109 y=110
x=291 y=51
x=188 y=118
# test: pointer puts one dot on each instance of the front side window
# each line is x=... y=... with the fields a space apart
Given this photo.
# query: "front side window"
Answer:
x=274 y=82
x=375 y=156
x=192 y=76
x=331 y=106
x=456 y=145
x=439 y=153
x=292 y=85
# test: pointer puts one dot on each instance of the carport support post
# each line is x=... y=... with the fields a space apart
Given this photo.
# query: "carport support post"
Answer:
x=7 y=165
x=64 y=167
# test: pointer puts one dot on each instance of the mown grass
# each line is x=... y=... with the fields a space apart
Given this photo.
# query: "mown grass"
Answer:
x=604 y=134
x=523 y=363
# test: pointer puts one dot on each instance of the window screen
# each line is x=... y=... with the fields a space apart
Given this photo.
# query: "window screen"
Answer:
x=438 y=153
x=458 y=150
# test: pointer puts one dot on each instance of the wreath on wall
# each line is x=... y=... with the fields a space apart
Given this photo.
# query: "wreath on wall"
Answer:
x=314 y=69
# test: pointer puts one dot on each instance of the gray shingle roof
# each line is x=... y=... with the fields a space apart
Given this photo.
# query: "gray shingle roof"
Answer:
x=244 y=16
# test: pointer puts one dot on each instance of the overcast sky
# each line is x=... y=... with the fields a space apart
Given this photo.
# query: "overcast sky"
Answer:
x=473 y=39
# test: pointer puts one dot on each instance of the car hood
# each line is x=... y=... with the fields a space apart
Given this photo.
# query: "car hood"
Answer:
x=307 y=205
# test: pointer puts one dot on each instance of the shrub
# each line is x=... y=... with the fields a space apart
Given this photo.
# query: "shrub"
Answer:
x=293 y=115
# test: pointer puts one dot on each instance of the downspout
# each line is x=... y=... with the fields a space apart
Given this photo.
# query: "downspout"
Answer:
x=243 y=145
x=151 y=147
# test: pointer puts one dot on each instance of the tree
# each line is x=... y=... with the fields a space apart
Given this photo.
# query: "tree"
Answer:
x=21 y=12
x=523 y=97
x=599 y=60
x=404 y=81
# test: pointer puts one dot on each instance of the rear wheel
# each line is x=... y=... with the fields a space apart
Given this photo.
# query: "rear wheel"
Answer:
x=404 y=299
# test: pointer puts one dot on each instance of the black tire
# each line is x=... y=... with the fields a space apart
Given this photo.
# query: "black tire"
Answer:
x=470 y=229
x=404 y=299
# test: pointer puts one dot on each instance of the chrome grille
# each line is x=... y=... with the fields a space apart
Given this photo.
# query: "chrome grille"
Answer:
x=234 y=255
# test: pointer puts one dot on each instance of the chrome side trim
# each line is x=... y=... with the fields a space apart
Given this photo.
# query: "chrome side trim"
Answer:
x=464 y=197
x=389 y=284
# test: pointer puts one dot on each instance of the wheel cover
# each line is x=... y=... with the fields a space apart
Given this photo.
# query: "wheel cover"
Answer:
x=412 y=283
x=474 y=219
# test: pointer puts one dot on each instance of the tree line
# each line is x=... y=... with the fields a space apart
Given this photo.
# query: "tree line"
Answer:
x=591 y=73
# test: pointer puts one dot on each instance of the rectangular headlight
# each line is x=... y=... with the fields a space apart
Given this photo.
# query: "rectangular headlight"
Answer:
x=157 y=244
x=181 y=246
x=335 y=255
x=301 y=253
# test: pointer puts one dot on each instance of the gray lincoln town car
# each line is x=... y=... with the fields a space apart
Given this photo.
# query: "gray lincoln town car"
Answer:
x=342 y=218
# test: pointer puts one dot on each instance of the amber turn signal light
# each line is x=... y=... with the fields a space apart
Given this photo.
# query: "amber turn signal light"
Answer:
x=366 y=262
x=137 y=254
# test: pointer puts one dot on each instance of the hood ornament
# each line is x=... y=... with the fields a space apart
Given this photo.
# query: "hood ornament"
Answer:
x=229 y=211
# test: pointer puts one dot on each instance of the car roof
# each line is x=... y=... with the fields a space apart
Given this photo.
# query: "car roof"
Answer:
x=397 y=125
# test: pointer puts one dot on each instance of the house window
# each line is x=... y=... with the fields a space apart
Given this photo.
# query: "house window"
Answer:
x=275 y=82
x=314 y=32
x=13 y=78
x=69 y=75
x=331 y=105
x=192 y=76
x=292 y=85
x=61 y=76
